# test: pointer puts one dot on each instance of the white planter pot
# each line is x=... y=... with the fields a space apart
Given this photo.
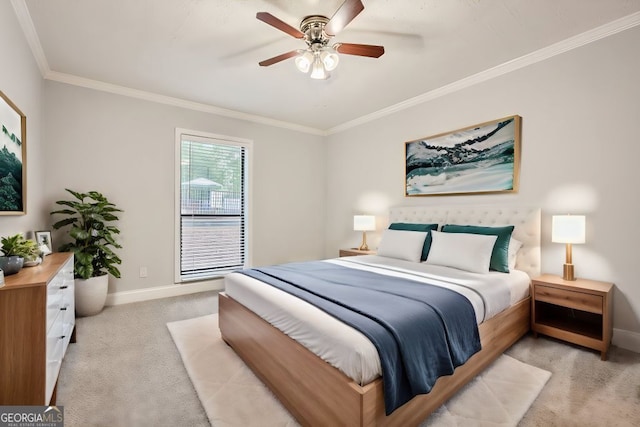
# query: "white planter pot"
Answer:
x=91 y=294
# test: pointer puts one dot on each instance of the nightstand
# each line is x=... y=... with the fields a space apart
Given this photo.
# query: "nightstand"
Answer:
x=355 y=252
x=576 y=311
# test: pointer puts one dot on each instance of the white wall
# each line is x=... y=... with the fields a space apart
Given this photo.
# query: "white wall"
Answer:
x=20 y=80
x=124 y=148
x=580 y=148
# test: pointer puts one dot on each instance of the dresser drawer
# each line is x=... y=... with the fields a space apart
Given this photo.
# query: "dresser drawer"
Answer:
x=68 y=323
x=571 y=299
x=54 y=301
x=55 y=348
x=53 y=369
x=54 y=337
x=67 y=302
x=60 y=293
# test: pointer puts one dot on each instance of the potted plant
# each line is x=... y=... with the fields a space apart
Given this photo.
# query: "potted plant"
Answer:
x=16 y=249
x=90 y=216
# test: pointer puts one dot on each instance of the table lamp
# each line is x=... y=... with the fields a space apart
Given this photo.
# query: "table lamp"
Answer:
x=568 y=229
x=364 y=223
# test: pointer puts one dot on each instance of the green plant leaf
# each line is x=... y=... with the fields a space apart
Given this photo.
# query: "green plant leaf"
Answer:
x=64 y=212
x=79 y=196
x=70 y=203
x=79 y=234
x=114 y=271
x=84 y=271
x=92 y=238
x=64 y=222
x=17 y=245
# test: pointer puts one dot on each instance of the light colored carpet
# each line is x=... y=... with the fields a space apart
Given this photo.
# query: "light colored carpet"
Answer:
x=232 y=396
x=125 y=370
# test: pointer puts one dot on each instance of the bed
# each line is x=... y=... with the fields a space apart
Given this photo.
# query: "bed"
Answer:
x=317 y=392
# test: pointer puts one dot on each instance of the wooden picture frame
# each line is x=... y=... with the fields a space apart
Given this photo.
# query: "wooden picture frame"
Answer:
x=478 y=159
x=13 y=158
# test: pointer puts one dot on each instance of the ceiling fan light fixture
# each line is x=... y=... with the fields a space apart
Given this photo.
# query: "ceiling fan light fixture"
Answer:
x=318 y=71
x=304 y=61
x=329 y=58
x=318 y=59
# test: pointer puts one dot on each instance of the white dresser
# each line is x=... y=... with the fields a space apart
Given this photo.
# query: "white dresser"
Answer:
x=37 y=323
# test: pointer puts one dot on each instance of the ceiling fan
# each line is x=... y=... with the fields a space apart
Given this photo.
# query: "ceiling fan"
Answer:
x=317 y=31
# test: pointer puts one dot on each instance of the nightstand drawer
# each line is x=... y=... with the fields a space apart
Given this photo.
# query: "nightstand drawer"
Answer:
x=570 y=299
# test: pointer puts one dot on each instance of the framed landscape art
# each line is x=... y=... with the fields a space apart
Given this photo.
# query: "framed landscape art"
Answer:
x=478 y=159
x=13 y=152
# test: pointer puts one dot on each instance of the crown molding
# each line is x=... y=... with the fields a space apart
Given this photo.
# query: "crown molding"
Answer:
x=176 y=102
x=603 y=31
x=30 y=33
x=539 y=55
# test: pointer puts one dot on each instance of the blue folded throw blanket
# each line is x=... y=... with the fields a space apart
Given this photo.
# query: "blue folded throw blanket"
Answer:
x=421 y=331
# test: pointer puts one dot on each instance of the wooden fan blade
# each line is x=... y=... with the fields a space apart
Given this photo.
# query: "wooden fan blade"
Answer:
x=278 y=58
x=349 y=10
x=359 y=49
x=268 y=18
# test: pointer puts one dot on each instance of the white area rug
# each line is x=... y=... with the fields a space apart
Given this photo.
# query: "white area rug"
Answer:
x=233 y=396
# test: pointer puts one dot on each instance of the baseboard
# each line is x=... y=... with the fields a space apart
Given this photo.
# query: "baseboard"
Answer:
x=626 y=339
x=146 y=294
x=622 y=338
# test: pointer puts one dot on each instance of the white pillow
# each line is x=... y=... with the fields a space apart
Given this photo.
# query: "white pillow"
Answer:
x=514 y=247
x=470 y=252
x=402 y=244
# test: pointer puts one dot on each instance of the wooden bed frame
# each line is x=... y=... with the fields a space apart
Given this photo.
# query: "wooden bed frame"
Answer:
x=317 y=394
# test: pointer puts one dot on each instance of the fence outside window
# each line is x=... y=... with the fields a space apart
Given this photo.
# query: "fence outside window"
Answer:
x=212 y=205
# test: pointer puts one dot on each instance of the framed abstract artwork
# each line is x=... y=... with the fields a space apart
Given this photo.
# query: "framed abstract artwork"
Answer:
x=479 y=159
x=13 y=153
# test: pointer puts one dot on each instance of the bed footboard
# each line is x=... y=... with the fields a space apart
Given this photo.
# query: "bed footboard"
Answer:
x=312 y=390
x=316 y=393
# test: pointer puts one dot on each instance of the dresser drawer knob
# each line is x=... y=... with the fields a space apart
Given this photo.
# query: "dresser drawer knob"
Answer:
x=64 y=286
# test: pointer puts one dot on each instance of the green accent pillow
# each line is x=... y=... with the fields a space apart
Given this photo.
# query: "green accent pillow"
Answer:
x=407 y=226
x=500 y=254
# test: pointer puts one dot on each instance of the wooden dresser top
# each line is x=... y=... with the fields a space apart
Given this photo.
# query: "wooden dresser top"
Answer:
x=38 y=275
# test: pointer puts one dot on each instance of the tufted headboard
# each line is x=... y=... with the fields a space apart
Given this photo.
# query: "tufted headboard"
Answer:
x=526 y=221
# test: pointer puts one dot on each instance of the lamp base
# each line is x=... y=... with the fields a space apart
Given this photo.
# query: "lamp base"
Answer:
x=363 y=246
x=567 y=272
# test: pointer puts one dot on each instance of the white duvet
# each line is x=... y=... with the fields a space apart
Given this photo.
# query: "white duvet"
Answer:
x=348 y=349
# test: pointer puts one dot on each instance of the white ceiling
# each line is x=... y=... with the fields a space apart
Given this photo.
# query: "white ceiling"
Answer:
x=207 y=51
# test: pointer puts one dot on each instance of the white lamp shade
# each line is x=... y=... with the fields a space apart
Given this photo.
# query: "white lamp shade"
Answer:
x=318 y=71
x=304 y=60
x=568 y=229
x=364 y=222
x=329 y=58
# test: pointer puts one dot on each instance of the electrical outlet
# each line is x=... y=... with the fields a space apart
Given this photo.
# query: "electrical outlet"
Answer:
x=143 y=271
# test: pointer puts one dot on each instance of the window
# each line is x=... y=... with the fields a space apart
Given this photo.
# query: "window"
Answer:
x=211 y=205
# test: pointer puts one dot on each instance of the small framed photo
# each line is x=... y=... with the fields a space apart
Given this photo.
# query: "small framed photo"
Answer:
x=43 y=238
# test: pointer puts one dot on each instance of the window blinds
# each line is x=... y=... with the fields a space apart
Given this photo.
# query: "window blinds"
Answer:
x=212 y=207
